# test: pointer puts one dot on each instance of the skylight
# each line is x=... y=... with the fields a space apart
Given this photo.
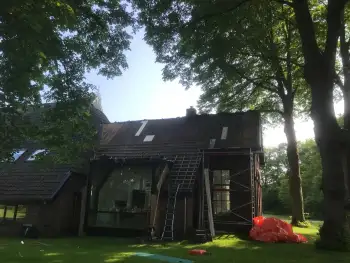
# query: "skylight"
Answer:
x=224 y=133
x=18 y=154
x=32 y=157
x=148 y=138
x=144 y=123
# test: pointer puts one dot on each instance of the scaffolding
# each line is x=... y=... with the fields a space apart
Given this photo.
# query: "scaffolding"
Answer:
x=250 y=187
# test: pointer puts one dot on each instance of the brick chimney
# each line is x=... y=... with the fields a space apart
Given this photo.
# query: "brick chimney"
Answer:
x=191 y=112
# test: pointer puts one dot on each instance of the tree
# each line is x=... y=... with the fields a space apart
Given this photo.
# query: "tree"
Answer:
x=262 y=70
x=320 y=59
x=311 y=169
x=275 y=168
x=318 y=47
x=343 y=81
x=46 y=48
x=265 y=76
x=275 y=184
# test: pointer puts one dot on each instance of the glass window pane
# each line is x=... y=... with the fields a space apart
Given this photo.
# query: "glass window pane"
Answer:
x=33 y=156
x=123 y=201
x=225 y=177
x=2 y=211
x=216 y=196
x=225 y=206
x=10 y=212
x=21 y=212
x=18 y=154
x=217 y=177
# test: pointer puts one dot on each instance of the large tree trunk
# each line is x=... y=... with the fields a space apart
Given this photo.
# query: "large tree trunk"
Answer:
x=295 y=187
x=319 y=74
x=346 y=96
x=332 y=233
x=345 y=57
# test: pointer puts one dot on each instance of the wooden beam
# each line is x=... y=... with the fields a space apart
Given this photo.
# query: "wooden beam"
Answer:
x=185 y=215
x=162 y=178
x=210 y=210
x=82 y=211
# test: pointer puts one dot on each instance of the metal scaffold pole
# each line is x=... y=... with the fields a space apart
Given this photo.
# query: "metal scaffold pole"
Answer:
x=252 y=182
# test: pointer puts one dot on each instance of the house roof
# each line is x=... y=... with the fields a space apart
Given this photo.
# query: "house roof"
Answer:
x=25 y=181
x=30 y=182
x=181 y=135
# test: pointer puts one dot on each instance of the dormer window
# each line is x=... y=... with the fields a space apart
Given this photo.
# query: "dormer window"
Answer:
x=17 y=154
x=33 y=156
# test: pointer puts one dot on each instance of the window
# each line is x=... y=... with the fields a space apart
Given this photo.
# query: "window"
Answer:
x=221 y=191
x=15 y=155
x=21 y=212
x=33 y=156
x=123 y=200
x=18 y=154
x=12 y=212
x=148 y=138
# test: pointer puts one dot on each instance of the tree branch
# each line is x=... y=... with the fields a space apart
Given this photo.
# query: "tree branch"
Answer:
x=344 y=53
x=307 y=33
x=280 y=78
x=256 y=83
x=285 y=2
x=338 y=81
x=268 y=58
x=334 y=17
x=210 y=15
x=289 y=58
x=270 y=111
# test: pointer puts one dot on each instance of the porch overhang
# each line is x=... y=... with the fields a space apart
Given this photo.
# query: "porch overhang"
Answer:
x=132 y=161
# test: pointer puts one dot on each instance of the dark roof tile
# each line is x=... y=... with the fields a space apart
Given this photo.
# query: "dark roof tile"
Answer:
x=181 y=134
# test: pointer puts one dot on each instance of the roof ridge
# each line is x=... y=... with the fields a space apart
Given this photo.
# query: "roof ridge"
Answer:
x=196 y=116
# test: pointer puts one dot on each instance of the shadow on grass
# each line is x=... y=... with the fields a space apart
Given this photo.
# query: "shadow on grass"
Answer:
x=97 y=250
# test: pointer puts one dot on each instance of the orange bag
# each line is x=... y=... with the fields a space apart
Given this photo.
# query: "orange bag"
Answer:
x=197 y=252
x=271 y=230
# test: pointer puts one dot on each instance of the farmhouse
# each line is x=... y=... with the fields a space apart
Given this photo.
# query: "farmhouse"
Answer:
x=176 y=175
x=44 y=196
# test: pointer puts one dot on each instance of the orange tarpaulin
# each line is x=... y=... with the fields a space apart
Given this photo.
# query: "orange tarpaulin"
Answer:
x=272 y=230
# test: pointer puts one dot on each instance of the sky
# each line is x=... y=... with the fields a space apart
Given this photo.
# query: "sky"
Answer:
x=140 y=93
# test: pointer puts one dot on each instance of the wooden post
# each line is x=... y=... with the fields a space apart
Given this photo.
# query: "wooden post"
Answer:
x=162 y=177
x=210 y=211
x=159 y=187
x=82 y=211
x=185 y=215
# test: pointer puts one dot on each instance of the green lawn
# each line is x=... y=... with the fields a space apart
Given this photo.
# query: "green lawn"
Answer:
x=96 y=250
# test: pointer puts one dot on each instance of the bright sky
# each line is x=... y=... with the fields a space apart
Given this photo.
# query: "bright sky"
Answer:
x=140 y=93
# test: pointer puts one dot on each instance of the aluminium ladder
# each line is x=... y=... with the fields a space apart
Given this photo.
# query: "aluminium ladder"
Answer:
x=182 y=179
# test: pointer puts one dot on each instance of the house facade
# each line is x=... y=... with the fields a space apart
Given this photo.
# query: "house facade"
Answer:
x=175 y=175
x=172 y=175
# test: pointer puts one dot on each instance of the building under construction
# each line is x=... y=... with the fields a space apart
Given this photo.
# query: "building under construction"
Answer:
x=176 y=176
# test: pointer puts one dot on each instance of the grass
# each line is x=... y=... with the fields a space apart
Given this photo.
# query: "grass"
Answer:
x=97 y=250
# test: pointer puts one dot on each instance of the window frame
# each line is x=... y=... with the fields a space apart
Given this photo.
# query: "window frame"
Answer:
x=32 y=157
x=222 y=187
x=14 y=218
x=19 y=151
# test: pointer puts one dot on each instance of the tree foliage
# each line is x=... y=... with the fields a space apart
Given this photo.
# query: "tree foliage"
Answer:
x=276 y=196
x=261 y=70
x=46 y=47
